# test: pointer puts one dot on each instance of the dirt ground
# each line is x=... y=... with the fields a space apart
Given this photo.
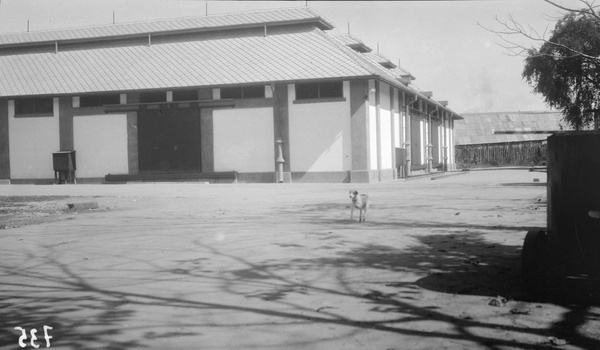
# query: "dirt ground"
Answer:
x=281 y=266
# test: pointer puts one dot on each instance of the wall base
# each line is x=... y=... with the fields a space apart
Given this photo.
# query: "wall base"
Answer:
x=325 y=176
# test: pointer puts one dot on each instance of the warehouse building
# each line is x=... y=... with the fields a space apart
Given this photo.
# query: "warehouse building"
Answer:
x=264 y=96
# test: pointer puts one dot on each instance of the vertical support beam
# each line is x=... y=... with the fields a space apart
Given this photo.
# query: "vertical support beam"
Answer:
x=408 y=141
x=444 y=142
x=393 y=127
x=451 y=143
x=207 y=153
x=281 y=126
x=132 y=143
x=429 y=144
x=4 y=144
x=378 y=127
x=65 y=123
x=359 y=97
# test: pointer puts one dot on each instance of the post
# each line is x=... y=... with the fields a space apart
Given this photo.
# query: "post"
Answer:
x=429 y=146
x=279 y=159
x=408 y=140
x=444 y=141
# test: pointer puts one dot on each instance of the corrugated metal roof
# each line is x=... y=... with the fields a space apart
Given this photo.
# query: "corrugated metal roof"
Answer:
x=479 y=128
x=208 y=62
x=394 y=76
x=221 y=21
x=214 y=60
x=353 y=42
x=380 y=59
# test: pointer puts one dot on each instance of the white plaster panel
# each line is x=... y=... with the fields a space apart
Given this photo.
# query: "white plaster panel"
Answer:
x=243 y=140
x=385 y=126
x=372 y=119
x=320 y=134
x=422 y=140
x=397 y=125
x=100 y=143
x=31 y=144
x=385 y=123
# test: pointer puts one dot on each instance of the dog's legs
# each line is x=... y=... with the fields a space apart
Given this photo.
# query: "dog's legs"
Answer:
x=352 y=212
x=365 y=213
x=361 y=217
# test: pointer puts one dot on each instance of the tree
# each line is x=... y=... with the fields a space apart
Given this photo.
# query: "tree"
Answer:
x=565 y=69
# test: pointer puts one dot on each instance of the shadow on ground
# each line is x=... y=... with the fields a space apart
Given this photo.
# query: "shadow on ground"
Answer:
x=86 y=315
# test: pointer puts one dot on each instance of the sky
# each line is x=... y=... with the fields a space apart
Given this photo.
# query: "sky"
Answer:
x=444 y=44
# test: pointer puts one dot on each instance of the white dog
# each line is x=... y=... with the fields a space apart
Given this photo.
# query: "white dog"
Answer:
x=360 y=202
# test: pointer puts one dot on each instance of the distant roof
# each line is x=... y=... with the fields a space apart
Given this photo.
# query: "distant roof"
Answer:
x=200 y=23
x=479 y=128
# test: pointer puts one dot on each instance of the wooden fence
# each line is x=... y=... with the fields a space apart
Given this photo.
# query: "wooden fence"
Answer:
x=524 y=153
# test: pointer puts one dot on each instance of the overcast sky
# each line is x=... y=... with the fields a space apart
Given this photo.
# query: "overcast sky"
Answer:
x=441 y=43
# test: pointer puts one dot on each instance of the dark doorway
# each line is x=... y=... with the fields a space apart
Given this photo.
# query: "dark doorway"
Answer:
x=169 y=140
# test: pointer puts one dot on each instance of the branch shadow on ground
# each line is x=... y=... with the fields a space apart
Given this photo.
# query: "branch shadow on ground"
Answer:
x=88 y=316
x=85 y=316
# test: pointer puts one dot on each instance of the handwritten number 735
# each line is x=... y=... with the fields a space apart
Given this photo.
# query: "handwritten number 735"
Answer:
x=33 y=331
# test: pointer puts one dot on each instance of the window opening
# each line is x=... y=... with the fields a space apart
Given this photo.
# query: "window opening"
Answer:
x=185 y=95
x=255 y=91
x=99 y=100
x=152 y=97
x=43 y=105
x=306 y=91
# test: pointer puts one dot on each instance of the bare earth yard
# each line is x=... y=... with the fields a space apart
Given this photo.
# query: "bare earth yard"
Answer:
x=281 y=266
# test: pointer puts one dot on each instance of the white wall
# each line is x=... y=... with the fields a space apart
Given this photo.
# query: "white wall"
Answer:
x=100 y=143
x=320 y=134
x=385 y=126
x=372 y=119
x=422 y=141
x=397 y=122
x=31 y=144
x=244 y=140
x=451 y=143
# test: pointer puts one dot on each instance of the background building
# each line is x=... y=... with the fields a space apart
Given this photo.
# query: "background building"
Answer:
x=505 y=138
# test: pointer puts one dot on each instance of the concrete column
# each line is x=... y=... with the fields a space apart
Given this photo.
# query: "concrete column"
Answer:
x=378 y=127
x=393 y=129
x=281 y=128
x=4 y=135
x=65 y=120
x=408 y=140
x=444 y=143
x=359 y=97
x=429 y=145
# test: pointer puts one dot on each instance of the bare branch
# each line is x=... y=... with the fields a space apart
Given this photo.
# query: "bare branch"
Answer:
x=591 y=8
x=512 y=28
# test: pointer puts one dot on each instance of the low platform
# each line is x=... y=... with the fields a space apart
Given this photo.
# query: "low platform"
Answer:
x=219 y=177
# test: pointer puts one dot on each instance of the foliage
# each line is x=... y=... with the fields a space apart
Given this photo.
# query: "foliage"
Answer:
x=566 y=68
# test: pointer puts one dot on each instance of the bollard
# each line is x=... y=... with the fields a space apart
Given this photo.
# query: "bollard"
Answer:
x=279 y=159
